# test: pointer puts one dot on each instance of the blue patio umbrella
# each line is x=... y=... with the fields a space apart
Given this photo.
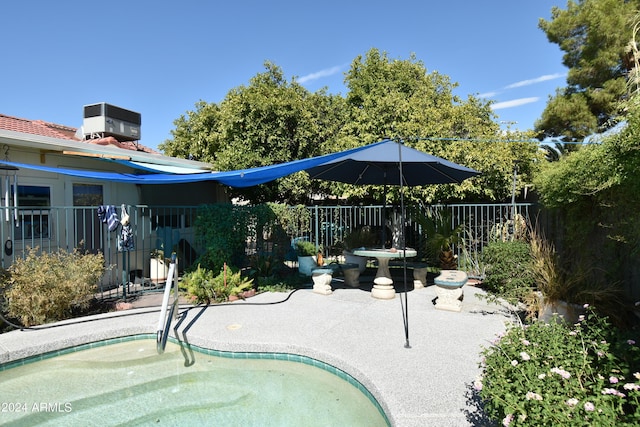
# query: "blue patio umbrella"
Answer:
x=391 y=163
x=379 y=164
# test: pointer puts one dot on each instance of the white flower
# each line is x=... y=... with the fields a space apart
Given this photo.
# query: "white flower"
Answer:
x=564 y=374
x=542 y=376
x=514 y=363
x=589 y=407
x=572 y=402
x=507 y=420
x=533 y=396
x=524 y=356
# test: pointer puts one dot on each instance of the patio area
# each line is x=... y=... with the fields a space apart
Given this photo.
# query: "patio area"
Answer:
x=429 y=384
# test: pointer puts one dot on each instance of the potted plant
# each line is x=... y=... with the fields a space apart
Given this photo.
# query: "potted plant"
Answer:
x=307 y=256
x=358 y=238
x=441 y=237
x=158 y=267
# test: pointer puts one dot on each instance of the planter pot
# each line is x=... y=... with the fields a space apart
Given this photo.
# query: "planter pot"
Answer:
x=158 y=270
x=305 y=264
x=350 y=258
x=568 y=311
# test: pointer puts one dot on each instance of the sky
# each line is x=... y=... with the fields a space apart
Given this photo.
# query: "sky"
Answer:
x=159 y=58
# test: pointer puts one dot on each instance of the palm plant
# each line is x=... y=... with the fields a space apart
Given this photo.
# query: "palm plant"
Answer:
x=441 y=236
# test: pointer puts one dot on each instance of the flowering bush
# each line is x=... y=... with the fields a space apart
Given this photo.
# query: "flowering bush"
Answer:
x=561 y=374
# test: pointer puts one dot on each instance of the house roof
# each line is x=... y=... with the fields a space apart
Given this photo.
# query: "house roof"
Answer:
x=51 y=137
x=53 y=130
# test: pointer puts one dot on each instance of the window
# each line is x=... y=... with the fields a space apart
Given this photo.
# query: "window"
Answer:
x=33 y=213
x=87 y=227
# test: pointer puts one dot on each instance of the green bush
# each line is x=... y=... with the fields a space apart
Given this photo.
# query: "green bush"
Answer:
x=203 y=286
x=306 y=248
x=560 y=374
x=509 y=272
x=47 y=287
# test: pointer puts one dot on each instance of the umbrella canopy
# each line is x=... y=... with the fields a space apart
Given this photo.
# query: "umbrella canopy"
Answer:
x=380 y=163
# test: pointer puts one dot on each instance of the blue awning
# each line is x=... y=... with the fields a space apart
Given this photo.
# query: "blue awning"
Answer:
x=238 y=178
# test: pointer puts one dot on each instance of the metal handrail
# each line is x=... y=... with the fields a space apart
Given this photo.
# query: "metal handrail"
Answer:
x=164 y=322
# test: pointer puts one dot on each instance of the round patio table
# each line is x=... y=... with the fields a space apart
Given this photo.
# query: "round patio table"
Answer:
x=383 y=284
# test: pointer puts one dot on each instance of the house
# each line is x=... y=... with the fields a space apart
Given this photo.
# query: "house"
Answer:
x=52 y=178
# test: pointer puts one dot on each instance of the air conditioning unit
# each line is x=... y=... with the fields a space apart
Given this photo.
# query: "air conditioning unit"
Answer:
x=101 y=120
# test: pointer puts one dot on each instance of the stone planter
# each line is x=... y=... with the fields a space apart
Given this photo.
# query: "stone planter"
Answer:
x=306 y=263
x=158 y=270
x=360 y=261
x=568 y=311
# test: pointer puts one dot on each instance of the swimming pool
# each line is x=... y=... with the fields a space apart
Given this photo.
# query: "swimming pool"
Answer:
x=125 y=381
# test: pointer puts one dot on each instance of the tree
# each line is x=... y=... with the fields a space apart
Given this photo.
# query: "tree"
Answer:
x=400 y=99
x=594 y=35
x=273 y=120
x=267 y=122
x=196 y=134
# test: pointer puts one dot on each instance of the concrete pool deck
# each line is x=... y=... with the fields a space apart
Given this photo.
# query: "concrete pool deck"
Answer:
x=429 y=384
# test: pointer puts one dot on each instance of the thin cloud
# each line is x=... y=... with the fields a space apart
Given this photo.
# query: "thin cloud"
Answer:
x=530 y=82
x=320 y=74
x=487 y=94
x=514 y=103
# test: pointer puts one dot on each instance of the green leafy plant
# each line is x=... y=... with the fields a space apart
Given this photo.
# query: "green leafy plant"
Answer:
x=544 y=374
x=441 y=236
x=361 y=237
x=157 y=254
x=45 y=287
x=306 y=248
x=579 y=286
x=203 y=286
x=509 y=272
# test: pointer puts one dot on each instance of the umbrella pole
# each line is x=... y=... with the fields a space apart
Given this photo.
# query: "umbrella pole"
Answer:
x=405 y=305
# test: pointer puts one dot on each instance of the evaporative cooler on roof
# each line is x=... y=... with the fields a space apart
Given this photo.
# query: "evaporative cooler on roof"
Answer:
x=102 y=120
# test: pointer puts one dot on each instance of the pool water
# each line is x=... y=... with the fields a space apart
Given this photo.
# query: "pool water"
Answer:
x=129 y=383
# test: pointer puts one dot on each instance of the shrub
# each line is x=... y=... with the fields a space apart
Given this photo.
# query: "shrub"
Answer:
x=306 y=248
x=47 y=287
x=203 y=286
x=508 y=270
x=562 y=374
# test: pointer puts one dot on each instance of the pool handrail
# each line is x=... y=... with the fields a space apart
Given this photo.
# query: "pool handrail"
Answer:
x=164 y=322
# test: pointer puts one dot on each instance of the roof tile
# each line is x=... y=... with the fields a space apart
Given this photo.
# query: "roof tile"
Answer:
x=42 y=128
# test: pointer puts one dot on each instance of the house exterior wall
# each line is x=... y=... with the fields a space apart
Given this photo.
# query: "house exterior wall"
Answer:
x=63 y=225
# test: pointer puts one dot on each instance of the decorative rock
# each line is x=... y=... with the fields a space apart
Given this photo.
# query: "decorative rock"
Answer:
x=449 y=289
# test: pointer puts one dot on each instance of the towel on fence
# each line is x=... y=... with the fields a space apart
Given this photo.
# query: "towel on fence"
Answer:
x=109 y=215
x=125 y=239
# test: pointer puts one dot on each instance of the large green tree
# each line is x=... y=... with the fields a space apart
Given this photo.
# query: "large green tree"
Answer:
x=273 y=120
x=269 y=121
x=594 y=36
x=401 y=99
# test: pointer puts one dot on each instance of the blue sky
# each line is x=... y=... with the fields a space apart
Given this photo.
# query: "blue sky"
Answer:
x=161 y=57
